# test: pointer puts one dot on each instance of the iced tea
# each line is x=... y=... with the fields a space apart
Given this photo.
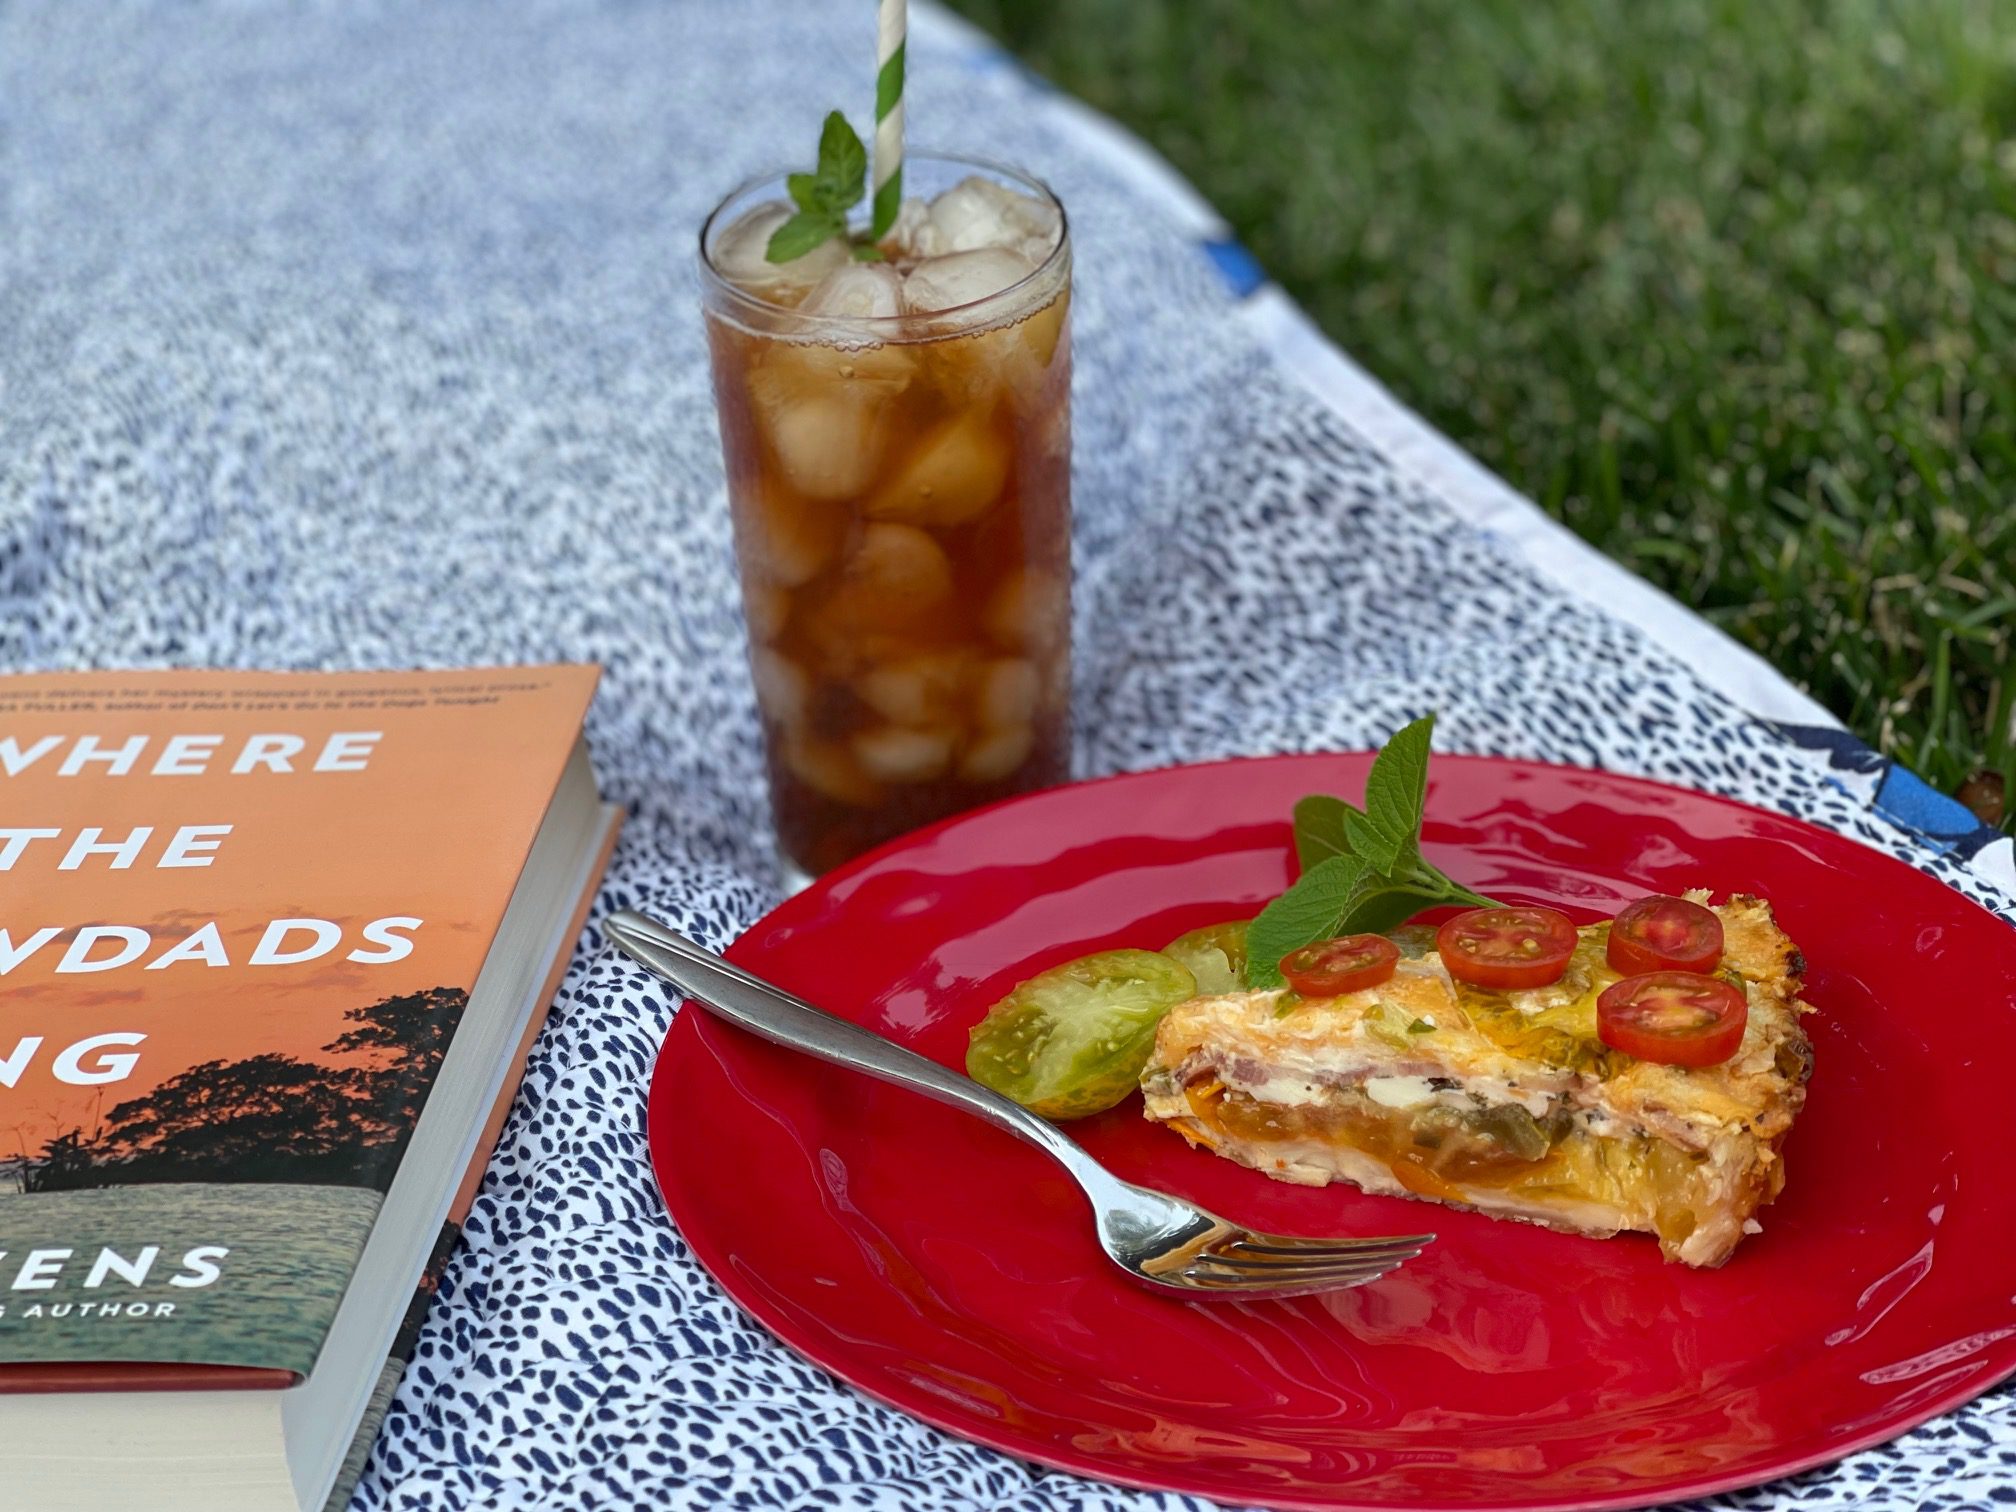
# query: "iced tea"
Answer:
x=897 y=438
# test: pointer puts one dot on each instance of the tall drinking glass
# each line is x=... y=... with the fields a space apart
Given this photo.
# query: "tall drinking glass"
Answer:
x=897 y=439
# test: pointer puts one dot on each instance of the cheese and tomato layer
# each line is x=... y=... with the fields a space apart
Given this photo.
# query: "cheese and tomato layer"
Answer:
x=1503 y=1101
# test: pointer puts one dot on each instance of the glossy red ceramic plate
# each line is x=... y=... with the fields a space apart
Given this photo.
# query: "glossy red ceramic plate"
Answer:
x=950 y=1270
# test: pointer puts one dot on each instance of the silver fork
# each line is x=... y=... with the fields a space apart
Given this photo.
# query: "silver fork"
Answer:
x=1161 y=1240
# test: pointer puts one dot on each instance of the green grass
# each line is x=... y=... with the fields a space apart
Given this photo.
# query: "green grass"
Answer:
x=1728 y=287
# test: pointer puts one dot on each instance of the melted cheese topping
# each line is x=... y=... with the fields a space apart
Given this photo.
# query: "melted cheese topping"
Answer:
x=1504 y=1100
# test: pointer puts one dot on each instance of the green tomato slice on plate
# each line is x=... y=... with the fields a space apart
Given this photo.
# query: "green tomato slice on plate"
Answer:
x=1215 y=956
x=1072 y=1041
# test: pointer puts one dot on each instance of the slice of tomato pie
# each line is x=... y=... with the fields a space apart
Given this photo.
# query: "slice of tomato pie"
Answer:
x=1516 y=1100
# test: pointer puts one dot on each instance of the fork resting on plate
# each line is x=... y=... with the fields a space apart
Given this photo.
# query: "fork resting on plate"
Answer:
x=1161 y=1240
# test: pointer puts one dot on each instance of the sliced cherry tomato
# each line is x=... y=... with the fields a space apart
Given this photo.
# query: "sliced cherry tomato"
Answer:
x=1678 y=1018
x=1331 y=968
x=1507 y=947
x=1665 y=934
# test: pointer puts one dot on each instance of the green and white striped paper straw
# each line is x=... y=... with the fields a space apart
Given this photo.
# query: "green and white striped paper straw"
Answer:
x=889 y=114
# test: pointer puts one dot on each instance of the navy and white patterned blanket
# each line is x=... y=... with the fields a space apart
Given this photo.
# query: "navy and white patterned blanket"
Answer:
x=365 y=335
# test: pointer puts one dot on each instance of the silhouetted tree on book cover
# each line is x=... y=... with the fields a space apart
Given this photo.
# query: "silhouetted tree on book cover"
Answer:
x=274 y=1117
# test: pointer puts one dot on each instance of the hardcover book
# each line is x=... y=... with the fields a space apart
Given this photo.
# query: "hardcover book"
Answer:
x=273 y=947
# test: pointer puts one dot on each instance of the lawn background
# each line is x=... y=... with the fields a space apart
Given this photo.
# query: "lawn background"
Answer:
x=1727 y=287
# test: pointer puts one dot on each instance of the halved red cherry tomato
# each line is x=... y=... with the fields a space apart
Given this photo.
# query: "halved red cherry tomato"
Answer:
x=1331 y=968
x=1507 y=947
x=1665 y=934
x=1678 y=1018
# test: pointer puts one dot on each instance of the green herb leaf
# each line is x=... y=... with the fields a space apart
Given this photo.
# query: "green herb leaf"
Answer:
x=823 y=197
x=1373 y=843
x=1309 y=911
x=805 y=192
x=1319 y=829
x=1384 y=903
x=843 y=164
x=1362 y=869
x=1432 y=878
x=801 y=234
x=1420 y=1026
x=868 y=252
x=1395 y=791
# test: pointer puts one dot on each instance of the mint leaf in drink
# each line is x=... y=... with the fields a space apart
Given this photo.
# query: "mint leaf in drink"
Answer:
x=1319 y=829
x=843 y=163
x=823 y=197
x=1395 y=791
x=801 y=234
x=1362 y=869
x=805 y=192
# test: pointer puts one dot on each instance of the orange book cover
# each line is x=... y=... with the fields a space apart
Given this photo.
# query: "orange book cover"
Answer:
x=240 y=916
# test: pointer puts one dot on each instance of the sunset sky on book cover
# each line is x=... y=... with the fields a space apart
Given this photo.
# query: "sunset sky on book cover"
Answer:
x=228 y=1083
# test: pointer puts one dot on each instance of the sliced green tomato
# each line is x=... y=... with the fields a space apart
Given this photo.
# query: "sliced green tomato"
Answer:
x=1215 y=955
x=1072 y=1041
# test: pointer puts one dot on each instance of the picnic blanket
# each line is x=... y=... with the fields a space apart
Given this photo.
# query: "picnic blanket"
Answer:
x=366 y=335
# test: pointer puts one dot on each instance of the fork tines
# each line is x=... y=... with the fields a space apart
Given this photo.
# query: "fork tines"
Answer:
x=1272 y=1262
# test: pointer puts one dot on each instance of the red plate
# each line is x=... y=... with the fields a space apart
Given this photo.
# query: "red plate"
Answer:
x=950 y=1270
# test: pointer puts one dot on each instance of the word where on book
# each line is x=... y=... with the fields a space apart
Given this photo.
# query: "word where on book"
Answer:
x=188 y=755
x=73 y=949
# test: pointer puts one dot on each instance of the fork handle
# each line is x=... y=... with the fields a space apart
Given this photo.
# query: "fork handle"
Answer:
x=749 y=1002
